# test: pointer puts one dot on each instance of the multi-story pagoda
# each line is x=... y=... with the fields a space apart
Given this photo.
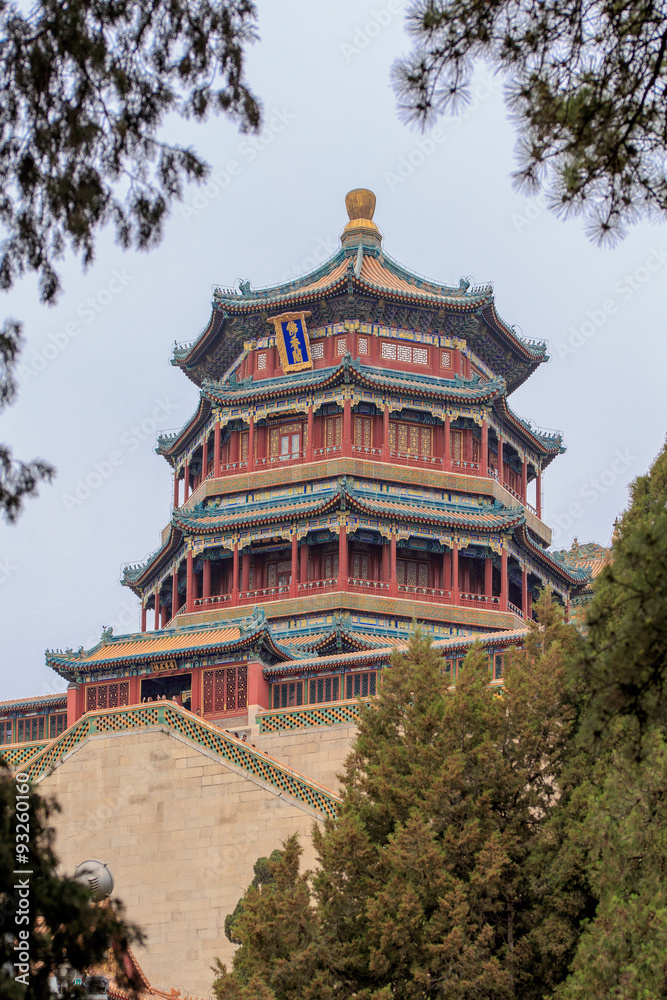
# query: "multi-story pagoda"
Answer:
x=352 y=466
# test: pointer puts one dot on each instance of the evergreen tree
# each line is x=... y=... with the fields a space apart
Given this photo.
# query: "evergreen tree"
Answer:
x=85 y=90
x=427 y=885
x=610 y=826
x=585 y=86
x=263 y=875
x=626 y=657
x=45 y=917
x=279 y=956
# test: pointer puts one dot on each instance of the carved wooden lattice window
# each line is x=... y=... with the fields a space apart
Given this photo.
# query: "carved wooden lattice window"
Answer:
x=287 y=695
x=361 y=685
x=6 y=732
x=411 y=573
x=115 y=695
x=334 y=432
x=330 y=565
x=285 y=441
x=363 y=345
x=30 y=729
x=410 y=439
x=476 y=450
x=324 y=689
x=279 y=574
x=261 y=362
x=317 y=351
x=363 y=432
x=446 y=359
x=456 y=445
x=341 y=346
x=360 y=565
x=243 y=450
x=225 y=689
x=57 y=724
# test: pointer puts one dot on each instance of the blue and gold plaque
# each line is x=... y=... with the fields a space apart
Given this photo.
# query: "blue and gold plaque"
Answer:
x=292 y=341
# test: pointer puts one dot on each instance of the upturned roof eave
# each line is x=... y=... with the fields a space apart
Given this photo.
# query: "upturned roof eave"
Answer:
x=189 y=429
x=77 y=664
x=350 y=660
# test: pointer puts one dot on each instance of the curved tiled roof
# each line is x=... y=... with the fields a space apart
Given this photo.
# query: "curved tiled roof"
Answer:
x=373 y=274
x=140 y=647
x=368 y=656
x=458 y=388
x=329 y=495
x=39 y=701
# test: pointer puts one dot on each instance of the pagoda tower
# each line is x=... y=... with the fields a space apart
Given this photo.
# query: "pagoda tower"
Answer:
x=352 y=467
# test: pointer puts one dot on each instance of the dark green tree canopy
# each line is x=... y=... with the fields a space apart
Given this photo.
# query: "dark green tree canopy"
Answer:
x=586 y=87
x=86 y=87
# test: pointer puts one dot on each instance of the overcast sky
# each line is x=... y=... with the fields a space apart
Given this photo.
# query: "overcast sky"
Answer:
x=96 y=380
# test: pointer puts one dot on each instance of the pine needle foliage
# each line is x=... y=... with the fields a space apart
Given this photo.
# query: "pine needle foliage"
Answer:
x=585 y=85
x=626 y=657
x=429 y=883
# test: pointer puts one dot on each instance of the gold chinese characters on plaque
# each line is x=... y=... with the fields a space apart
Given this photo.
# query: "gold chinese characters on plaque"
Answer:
x=292 y=341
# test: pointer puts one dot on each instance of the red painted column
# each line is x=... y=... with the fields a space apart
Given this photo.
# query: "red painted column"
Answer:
x=250 y=359
x=303 y=562
x=157 y=610
x=342 y=557
x=164 y=615
x=529 y=613
x=524 y=480
x=251 y=443
x=204 y=459
x=189 y=584
x=186 y=488
x=216 y=450
x=310 y=432
x=174 y=592
x=503 y=579
x=143 y=617
x=501 y=462
x=488 y=577
x=206 y=579
x=386 y=566
x=295 y=565
x=195 y=692
x=484 y=457
x=447 y=455
x=235 y=575
x=73 y=712
x=385 y=434
x=347 y=427
x=538 y=495
x=393 y=581
x=245 y=572
x=176 y=490
x=524 y=592
x=134 y=694
x=235 y=448
x=447 y=570
x=455 y=573
x=467 y=445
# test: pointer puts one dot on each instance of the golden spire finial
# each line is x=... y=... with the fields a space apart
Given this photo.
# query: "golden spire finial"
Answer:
x=360 y=205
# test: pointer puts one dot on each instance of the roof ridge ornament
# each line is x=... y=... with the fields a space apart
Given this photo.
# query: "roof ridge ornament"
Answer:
x=360 y=230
